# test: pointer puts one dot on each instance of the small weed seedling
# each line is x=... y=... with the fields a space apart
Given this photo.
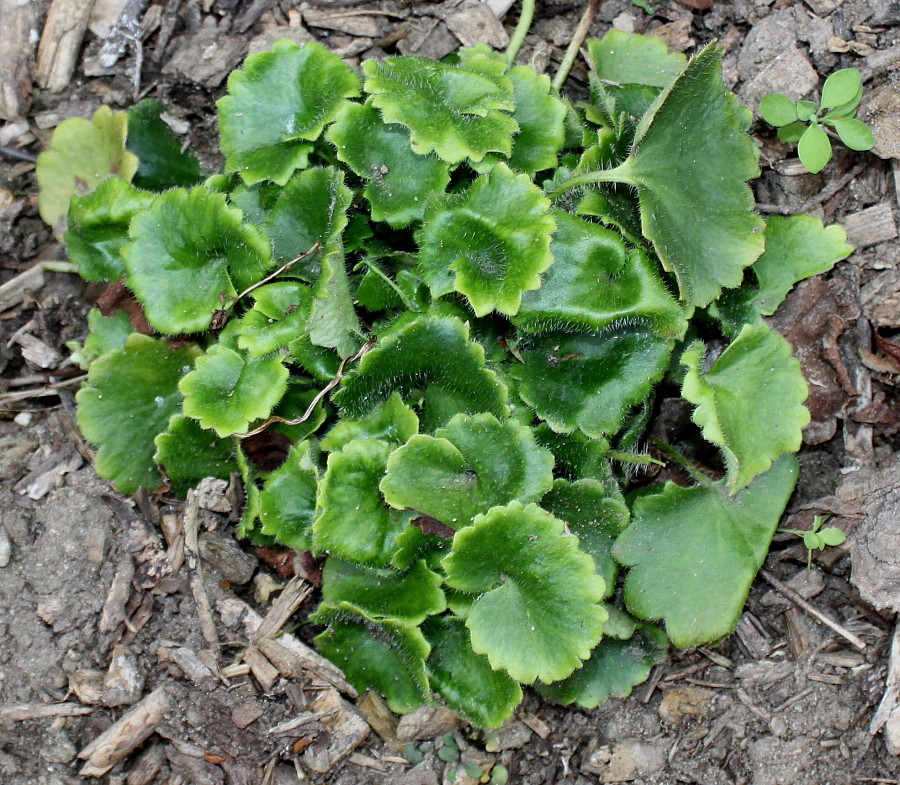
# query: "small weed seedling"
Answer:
x=816 y=538
x=804 y=122
x=454 y=295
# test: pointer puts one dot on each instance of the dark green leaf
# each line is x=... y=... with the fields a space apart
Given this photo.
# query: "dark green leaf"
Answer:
x=163 y=163
x=287 y=501
x=188 y=453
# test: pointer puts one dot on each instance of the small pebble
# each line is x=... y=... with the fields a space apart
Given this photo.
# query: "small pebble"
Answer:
x=23 y=418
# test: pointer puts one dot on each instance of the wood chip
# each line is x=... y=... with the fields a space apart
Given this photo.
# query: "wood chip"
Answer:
x=870 y=226
x=21 y=713
x=346 y=730
x=15 y=290
x=887 y=715
x=825 y=678
x=132 y=730
x=113 y=613
x=17 y=20
x=60 y=44
x=753 y=636
x=536 y=724
x=195 y=571
x=148 y=764
x=263 y=670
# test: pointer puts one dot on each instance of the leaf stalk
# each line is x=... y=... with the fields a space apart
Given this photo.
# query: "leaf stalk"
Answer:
x=584 y=24
x=515 y=42
x=619 y=174
x=696 y=475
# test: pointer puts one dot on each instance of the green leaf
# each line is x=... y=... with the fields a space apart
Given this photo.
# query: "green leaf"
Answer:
x=188 y=252
x=590 y=381
x=246 y=526
x=792 y=132
x=163 y=163
x=188 y=453
x=82 y=153
x=489 y=243
x=311 y=208
x=634 y=59
x=387 y=656
x=278 y=316
x=594 y=517
x=576 y=456
x=391 y=421
x=693 y=552
x=855 y=134
x=840 y=88
x=806 y=110
x=777 y=109
x=448 y=109
x=383 y=593
x=614 y=668
x=696 y=206
x=227 y=390
x=594 y=283
x=98 y=228
x=814 y=149
x=398 y=180
x=537 y=613
x=424 y=353
x=832 y=536
x=106 y=334
x=797 y=247
x=845 y=110
x=277 y=104
x=333 y=322
x=473 y=464
x=127 y=401
x=353 y=521
x=750 y=402
x=465 y=679
x=287 y=501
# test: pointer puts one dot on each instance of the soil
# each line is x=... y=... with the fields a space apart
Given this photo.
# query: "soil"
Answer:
x=90 y=619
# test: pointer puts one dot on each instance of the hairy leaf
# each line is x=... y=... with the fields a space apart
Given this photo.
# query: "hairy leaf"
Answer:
x=634 y=59
x=489 y=243
x=278 y=316
x=398 y=180
x=82 y=153
x=353 y=521
x=106 y=333
x=594 y=283
x=390 y=421
x=276 y=104
x=450 y=110
x=576 y=457
x=189 y=253
x=163 y=162
x=227 y=390
x=693 y=552
x=287 y=501
x=590 y=381
x=614 y=668
x=696 y=206
x=424 y=354
x=750 y=402
x=188 y=453
x=466 y=680
x=98 y=228
x=471 y=465
x=537 y=613
x=127 y=401
x=594 y=517
x=407 y=595
x=384 y=655
x=333 y=322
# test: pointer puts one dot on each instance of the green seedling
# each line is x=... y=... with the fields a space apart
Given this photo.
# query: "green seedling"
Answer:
x=453 y=294
x=805 y=122
x=816 y=538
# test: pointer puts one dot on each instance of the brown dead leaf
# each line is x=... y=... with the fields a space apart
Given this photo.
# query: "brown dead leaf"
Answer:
x=117 y=297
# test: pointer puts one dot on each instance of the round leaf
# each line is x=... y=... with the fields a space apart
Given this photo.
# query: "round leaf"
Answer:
x=188 y=252
x=590 y=381
x=275 y=102
x=106 y=334
x=127 y=401
x=693 y=552
x=792 y=132
x=537 y=613
x=814 y=149
x=840 y=88
x=634 y=59
x=473 y=464
x=227 y=391
x=777 y=109
x=278 y=316
x=398 y=180
x=188 y=453
x=287 y=501
x=805 y=110
x=450 y=110
x=390 y=421
x=465 y=679
x=855 y=134
x=750 y=402
x=489 y=243
x=353 y=522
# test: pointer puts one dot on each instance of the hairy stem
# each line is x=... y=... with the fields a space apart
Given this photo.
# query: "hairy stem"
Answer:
x=587 y=18
x=518 y=36
x=696 y=475
x=617 y=175
x=387 y=279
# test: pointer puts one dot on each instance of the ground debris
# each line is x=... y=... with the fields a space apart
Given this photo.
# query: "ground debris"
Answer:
x=427 y=722
x=345 y=728
x=626 y=761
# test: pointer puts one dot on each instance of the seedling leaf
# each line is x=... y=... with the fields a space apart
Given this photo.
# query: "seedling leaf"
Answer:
x=277 y=104
x=278 y=316
x=840 y=88
x=129 y=397
x=106 y=334
x=777 y=109
x=471 y=465
x=489 y=243
x=693 y=552
x=814 y=148
x=854 y=133
x=750 y=402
